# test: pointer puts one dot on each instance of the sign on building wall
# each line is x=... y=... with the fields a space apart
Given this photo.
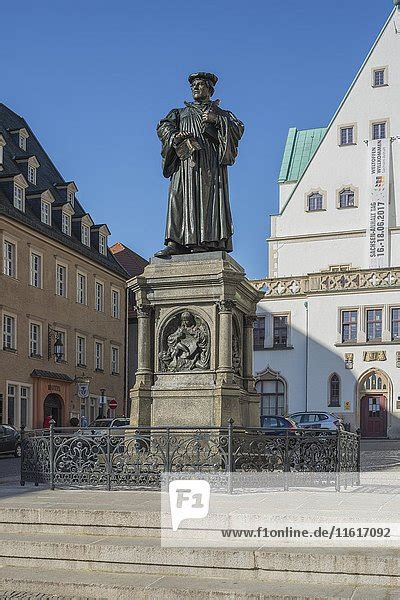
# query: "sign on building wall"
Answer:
x=378 y=224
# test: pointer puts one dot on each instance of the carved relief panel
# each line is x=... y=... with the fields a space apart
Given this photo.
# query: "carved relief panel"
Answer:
x=185 y=344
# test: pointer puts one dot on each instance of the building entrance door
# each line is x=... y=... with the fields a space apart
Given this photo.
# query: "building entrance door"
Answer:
x=52 y=406
x=374 y=416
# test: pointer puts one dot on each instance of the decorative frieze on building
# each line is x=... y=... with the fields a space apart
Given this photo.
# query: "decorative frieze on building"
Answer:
x=317 y=283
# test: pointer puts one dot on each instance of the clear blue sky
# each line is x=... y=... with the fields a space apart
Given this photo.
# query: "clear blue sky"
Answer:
x=93 y=77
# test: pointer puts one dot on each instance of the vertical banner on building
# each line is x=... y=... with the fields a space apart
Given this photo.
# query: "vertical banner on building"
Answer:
x=378 y=223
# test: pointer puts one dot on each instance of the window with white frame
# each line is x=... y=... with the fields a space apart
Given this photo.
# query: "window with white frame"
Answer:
x=11 y=403
x=115 y=304
x=347 y=136
x=81 y=288
x=80 y=351
x=114 y=360
x=19 y=197
x=98 y=356
x=45 y=212
x=9 y=259
x=379 y=77
x=99 y=296
x=71 y=197
x=9 y=332
x=85 y=234
x=32 y=174
x=36 y=270
x=35 y=339
x=103 y=244
x=347 y=198
x=379 y=130
x=66 y=223
x=61 y=280
x=22 y=140
x=315 y=202
x=19 y=405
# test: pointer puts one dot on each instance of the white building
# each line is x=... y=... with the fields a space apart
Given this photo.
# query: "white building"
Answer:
x=328 y=330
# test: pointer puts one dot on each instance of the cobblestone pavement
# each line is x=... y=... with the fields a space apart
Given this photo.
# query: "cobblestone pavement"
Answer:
x=9 y=467
x=378 y=455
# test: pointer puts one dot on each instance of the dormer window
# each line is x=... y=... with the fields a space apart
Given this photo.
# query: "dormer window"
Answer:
x=32 y=174
x=2 y=144
x=85 y=234
x=45 y=212
x=66 y=223
x=71 y=197
x=22 y=137
x=19 y=197
x=103 y=244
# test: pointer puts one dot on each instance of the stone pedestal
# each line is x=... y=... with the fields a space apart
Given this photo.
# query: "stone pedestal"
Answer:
x=195 y=343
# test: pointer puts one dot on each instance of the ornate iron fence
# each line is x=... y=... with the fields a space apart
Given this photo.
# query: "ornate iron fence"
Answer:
x=137 y=457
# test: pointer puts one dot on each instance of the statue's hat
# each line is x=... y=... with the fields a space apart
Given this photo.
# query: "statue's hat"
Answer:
x=210 y=76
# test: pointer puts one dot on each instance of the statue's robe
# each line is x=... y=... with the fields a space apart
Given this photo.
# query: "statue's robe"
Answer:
x=198 y=205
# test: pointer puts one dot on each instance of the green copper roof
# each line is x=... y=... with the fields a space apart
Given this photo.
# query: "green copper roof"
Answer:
x=300 y=148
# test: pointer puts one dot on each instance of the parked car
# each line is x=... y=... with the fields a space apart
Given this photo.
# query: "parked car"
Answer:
x=10 y=441
x=317 y=420
x=274 y=425
x=99 y=424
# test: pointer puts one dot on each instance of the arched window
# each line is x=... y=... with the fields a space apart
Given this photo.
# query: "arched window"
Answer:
x=375 y=383
x=315 y=202
x=334 y=390
x=273 y=400
x=347 y=198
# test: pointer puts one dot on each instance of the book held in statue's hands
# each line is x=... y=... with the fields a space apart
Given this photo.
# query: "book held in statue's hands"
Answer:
x=187 y=148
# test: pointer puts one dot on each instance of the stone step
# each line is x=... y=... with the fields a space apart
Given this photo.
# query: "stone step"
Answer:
x=80 y=521
x=47 y=583
x=144 y=555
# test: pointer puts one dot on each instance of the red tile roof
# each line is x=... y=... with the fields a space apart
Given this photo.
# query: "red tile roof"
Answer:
x=132 y=262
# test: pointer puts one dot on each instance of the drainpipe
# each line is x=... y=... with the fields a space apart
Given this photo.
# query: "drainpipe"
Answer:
x=306 y=355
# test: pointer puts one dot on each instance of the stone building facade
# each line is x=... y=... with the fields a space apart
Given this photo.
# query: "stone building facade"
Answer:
x=62 y=293
x=328 y=330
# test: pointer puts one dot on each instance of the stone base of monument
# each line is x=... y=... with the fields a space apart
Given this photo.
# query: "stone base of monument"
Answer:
x=195 y=343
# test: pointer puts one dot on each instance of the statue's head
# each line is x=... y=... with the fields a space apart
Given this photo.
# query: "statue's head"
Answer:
x=187 y=319
x=202 y=85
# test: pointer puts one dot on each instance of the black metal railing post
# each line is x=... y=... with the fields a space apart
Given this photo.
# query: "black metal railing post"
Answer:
x=286 y=462
x=51 y=453
x=167 y=465
x=338 y=459
x=108 y=459
x=22 y=480
x=230 y=467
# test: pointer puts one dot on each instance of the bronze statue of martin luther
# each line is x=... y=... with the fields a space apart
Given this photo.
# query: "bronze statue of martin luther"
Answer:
x=199 y=142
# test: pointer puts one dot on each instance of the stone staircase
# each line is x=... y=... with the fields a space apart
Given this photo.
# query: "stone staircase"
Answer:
x=114 y=553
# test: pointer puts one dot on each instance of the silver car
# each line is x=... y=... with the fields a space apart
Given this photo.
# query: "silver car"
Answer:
x=317 y=420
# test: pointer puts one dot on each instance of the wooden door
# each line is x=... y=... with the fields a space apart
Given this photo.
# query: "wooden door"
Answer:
x=373 y=416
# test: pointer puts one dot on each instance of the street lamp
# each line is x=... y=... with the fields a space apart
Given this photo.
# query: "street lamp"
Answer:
x=58 y=348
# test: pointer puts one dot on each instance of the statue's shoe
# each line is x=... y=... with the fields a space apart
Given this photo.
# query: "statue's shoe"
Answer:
x=171 y=251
